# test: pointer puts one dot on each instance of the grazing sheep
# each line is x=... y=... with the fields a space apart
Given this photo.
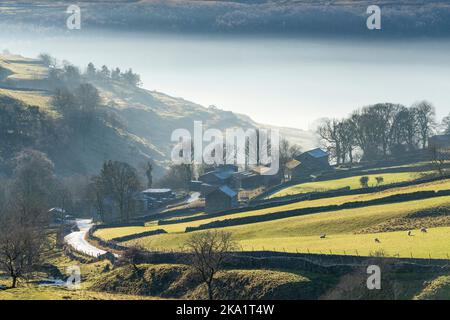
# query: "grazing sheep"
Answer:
x=409 y=233
x=424 y=230
x=377 y=240
x=323 y=236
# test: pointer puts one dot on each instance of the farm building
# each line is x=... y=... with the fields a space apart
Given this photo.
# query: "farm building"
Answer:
x=153 y=198
x=311 y=162
x=219 y=176
x=255 y=178
x=220 y=199
x=440 y=141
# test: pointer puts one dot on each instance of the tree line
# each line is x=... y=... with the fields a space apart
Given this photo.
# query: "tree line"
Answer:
x=380 y=131
x=68 y=73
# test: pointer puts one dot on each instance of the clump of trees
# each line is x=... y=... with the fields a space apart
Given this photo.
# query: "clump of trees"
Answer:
x=105 y=74
x=115 y=188
x=178 y=176
x=378 y=131
x=69 y=74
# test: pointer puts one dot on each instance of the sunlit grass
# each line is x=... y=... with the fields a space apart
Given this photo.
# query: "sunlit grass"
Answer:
x=344 y=223
x=352 y=182
x=180 y=227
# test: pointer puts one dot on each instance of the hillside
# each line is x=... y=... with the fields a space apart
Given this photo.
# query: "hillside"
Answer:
x=147 y=119
x=350 y=222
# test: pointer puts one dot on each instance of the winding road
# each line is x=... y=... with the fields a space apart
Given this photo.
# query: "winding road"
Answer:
x=77 y=239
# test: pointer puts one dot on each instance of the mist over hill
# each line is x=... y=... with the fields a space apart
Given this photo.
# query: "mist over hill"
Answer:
x=406 y=18
x=132 y=125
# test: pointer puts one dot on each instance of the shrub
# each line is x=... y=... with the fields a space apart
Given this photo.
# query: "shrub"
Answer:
x=364 y=181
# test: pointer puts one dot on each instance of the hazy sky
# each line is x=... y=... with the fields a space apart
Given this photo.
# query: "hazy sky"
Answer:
x=286 y=82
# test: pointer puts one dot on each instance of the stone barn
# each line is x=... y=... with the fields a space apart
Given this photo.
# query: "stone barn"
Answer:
x=310 y=163
x=221 y=199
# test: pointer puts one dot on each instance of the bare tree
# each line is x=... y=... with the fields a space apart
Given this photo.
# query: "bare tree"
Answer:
x=439 y=156
x=287 y=152
x=445 y=125
x=328 y=133
x=47 y=60
x=425 y=117
x=209 y=251
x=132 y=256
x=119 y=182
x=149 y=174
x=21 y=247
x=24 y=214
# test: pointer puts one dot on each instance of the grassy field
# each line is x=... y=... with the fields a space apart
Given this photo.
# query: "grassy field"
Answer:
x=23 y=68
x=302 y=233
x=35 y=292
x=90 y=272
x=434 y=244
x=352 y=182
x=178 y=281
x=437 y=289
x=180 y=227
x=34 y=98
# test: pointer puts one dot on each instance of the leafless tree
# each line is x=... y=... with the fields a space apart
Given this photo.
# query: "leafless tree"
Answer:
x=287 y=152
x=209 y=251
x=21 y=248
x=445 y=125
x=132 y=256
x=328 y=133
x=425 y=117
x=439 y=156
x=119 y=182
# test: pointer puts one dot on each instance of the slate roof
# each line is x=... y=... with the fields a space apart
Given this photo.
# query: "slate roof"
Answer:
x=157 y=190
x=317 y=153
x=228 y=191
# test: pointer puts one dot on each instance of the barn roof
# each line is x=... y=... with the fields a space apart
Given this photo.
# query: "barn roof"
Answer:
x=317 y=153
x=292 y=164
x=261 y=169
x=441 y=138
x=228 y=191
x=165 y=190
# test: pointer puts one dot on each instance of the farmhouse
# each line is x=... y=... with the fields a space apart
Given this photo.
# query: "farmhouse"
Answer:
x=153 y=198
x=311 y=162
x=220 y=199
